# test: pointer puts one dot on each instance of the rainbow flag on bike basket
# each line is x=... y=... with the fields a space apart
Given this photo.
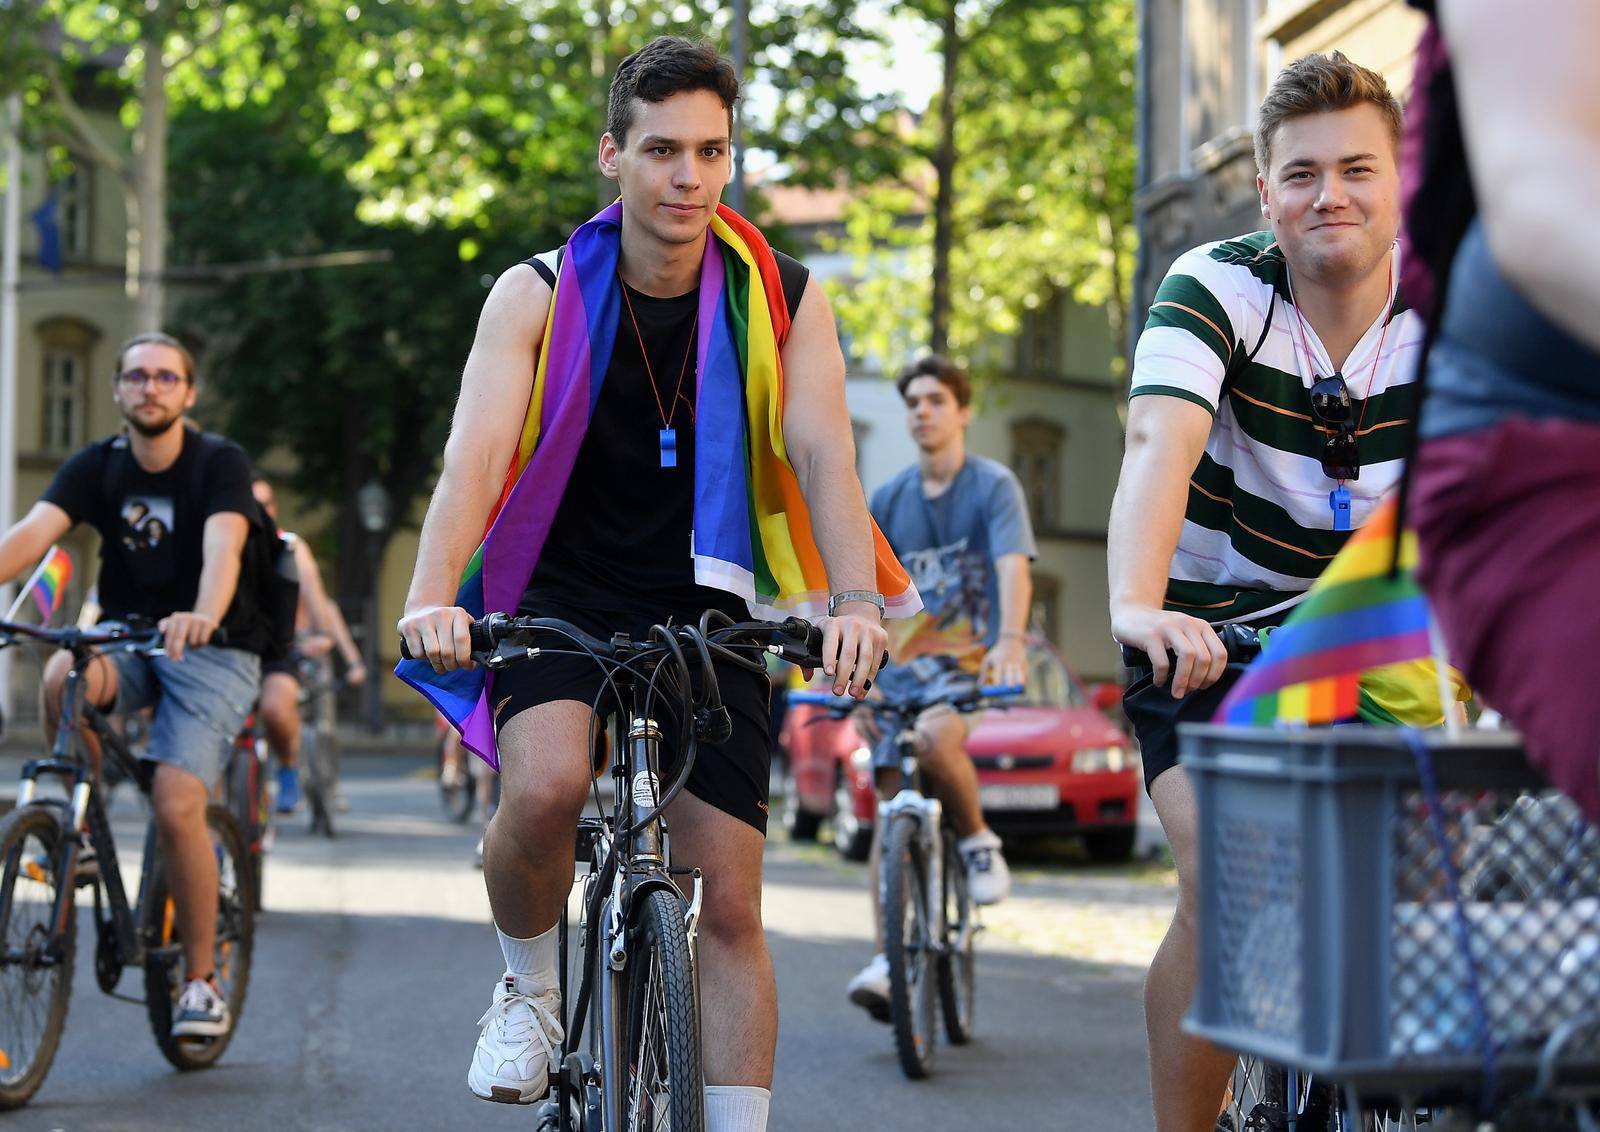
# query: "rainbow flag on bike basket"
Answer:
x=48 y=585
x=751 y=531
x=1355 y=618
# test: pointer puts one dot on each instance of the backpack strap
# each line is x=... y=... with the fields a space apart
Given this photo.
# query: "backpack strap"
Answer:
x=108 y=470
x=1234 y=370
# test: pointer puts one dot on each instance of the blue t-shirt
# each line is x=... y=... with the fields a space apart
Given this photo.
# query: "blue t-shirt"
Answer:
x=948 y=545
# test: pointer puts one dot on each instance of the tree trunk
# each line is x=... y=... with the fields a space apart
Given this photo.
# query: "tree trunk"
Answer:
x=147 y=237
x=1117 y=307
x=944 y=167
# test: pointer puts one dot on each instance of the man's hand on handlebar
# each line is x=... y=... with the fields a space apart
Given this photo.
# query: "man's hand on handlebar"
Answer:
x=1006 y=663
x=181 y=631
x=1198 y=657
x=853 y=645
x=439 y=634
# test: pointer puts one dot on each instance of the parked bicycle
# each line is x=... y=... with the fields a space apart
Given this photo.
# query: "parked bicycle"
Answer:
x=930 y=926
x=630 y=1057
x=47 y=845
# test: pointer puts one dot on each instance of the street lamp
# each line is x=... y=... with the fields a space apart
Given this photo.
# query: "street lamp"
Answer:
x=372 y=507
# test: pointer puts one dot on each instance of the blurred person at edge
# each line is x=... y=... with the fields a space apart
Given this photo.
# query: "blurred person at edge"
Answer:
x=1503 y=211
x=1271 y=393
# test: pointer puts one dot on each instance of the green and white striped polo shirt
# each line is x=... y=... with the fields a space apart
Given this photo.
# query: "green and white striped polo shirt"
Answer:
x=1258 y=530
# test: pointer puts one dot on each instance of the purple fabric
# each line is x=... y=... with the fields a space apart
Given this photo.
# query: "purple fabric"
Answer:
x=1508 y=519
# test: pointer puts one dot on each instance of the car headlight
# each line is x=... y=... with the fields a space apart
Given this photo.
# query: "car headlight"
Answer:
x=1099 y=760
x=861 y=758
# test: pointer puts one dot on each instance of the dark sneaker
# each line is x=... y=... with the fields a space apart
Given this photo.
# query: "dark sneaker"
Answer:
x=202 y=1012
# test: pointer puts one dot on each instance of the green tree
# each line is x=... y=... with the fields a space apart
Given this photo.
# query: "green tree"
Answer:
x=1032 y=191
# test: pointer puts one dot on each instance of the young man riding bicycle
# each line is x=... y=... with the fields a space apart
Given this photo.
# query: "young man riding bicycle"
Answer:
x=318 y=627
x=616 y=515
x=1270 y=394
x=960 y=524
x=185 y=578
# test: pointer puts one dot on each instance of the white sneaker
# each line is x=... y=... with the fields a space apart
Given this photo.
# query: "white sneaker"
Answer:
x=201 y=1013
x=520 y=1036
x=988 y=876
x=870 y=988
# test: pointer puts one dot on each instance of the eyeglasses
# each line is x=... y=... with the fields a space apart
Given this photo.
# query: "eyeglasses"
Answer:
x=164 y=379
x=1330 y=407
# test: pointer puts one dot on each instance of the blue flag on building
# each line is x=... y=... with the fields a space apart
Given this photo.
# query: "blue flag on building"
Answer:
x=47 y=219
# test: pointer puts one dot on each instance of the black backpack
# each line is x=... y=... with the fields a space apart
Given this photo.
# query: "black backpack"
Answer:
x=268 y=576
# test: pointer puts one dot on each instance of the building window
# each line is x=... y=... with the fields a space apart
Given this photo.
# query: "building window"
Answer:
x=1042 y=618
x=66 y=347
x=859 y=431
x=1036 y=457
x=1039 y=346
x=75 y=211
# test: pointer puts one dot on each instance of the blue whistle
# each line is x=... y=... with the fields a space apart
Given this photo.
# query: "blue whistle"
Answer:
x=1339 y=501
x=669 y=448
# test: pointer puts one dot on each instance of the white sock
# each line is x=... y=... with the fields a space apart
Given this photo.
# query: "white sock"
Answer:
x=737 y=1108
x=532 y=962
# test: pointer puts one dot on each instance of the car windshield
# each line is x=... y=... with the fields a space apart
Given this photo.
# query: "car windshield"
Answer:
x=1050 y=684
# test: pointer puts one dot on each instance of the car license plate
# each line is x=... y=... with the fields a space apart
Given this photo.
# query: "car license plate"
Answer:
x=1036 y=797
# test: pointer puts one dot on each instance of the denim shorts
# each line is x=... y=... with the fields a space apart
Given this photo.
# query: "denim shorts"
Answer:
x=200 y=703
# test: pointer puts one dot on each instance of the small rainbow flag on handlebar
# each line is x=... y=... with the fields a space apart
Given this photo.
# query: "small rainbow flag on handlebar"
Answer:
x=49 y=583
x=1356 y=617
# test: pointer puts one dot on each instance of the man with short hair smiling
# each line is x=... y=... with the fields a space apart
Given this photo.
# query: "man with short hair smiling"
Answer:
x=173 y=508
x=610 y=523
x=1271 y=392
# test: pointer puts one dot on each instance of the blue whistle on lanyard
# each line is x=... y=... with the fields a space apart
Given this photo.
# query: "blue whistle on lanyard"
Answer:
x=1339 y=502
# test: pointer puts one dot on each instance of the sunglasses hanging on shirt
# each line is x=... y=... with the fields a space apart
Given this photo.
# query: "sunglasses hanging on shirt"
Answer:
x=1333 y=412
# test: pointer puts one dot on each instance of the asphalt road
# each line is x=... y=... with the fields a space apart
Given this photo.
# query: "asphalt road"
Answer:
x=375 y=958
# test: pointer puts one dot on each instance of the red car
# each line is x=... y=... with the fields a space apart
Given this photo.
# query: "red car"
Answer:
x=1052 y=764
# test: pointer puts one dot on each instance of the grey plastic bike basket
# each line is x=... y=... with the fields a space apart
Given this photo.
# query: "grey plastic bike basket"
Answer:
x=1328 y=939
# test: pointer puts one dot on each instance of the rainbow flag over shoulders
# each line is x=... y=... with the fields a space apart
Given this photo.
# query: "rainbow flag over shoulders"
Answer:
x=1356 y=617
x=751 y=530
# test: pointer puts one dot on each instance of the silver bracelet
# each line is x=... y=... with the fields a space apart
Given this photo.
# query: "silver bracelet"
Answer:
x=845 y=597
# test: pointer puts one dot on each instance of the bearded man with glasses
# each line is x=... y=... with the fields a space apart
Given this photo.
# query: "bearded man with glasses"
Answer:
x=1272 y=391
x=173 y=508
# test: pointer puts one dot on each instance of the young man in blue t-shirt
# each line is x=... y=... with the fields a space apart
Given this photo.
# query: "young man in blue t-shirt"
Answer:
x=959 y=525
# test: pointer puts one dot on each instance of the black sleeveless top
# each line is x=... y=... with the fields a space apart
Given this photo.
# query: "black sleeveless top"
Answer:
x=620 y=542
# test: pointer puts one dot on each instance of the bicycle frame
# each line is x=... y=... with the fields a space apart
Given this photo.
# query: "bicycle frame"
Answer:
x=911 y=799
x=621 y=869
x=86 y=812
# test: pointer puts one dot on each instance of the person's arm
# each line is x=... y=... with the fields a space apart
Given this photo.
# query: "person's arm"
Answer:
x=1166 y=437
x=496 y=384
x=1530 y=113
x=25 y=543
x=816 y=432
x=1007 y=661
x=222 y=554
x=326 y=617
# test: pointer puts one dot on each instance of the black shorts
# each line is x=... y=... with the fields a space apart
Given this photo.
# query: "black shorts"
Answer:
x=283 y=666
x=731 y=776
x=1155 y=716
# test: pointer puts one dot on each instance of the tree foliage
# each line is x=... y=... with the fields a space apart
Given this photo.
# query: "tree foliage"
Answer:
x=1043 y=188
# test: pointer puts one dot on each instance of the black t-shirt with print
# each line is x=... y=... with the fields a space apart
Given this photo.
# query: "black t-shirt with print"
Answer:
x=620 y=542
x=152 y=524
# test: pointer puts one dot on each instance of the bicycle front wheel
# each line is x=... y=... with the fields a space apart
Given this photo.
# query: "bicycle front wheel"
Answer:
x=663 y=1040
x=35 y=961
x=958 y=979
x=317 y=756
x=231 y=953
x=910 y=943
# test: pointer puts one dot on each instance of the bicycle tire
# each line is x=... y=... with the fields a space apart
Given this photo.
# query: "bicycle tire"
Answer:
x=24 y=835
x=234 y=948
x=958 y=978
x=907 y=934
x=248 y=803
x=457 y=795
x=663 y=1021
x=315 y=756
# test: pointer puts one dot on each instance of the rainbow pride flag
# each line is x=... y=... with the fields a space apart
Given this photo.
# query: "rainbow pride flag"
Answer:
x=49 y=583
x=1356 y=617
x=752 y=530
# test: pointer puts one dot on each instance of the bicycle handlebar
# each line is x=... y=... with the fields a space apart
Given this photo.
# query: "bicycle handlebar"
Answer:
x=842 y=705
x=1243 y=644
